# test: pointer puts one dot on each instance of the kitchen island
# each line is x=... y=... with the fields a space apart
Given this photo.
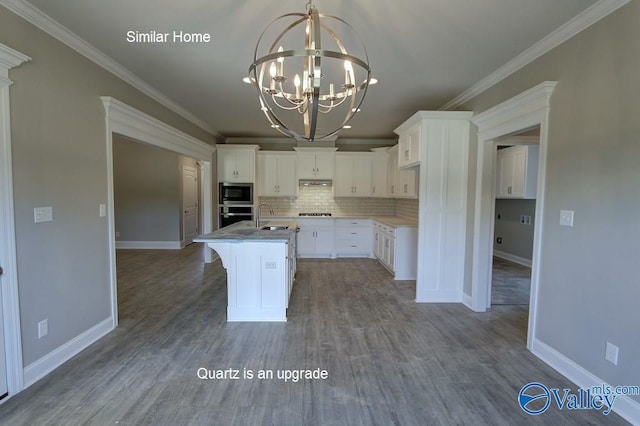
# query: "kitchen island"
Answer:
x=260 y=264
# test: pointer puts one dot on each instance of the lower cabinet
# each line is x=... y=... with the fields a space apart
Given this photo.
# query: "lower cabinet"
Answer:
x=354 y=237
x=397 y=249
x=316 y=238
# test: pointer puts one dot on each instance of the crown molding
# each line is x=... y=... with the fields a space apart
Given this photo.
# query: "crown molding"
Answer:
x=58 y=31
x=10 y=58
x=580 y=22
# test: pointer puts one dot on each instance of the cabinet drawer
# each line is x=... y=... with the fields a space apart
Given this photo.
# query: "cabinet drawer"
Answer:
x=353 y=222
x=352 y=246
x=353 y=233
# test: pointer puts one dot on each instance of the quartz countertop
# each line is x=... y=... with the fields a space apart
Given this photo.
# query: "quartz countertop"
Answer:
x=247 y=231
x=394 y=221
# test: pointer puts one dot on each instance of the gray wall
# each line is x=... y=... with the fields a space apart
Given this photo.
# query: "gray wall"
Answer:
x=59 y=160
x=517 y=238
x=589 y=289
x=147 y=191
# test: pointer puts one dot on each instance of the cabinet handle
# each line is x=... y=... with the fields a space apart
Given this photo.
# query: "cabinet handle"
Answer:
x=393 y=189
x=373 y=190
x=405 y=188
x=508 y=190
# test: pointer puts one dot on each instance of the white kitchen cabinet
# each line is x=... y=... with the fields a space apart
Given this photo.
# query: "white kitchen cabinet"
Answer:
x=277 y=174
x=353 y=237
x=517 y=172
x=352 y=174
x=316 y=238
x=379 y=172
x=409 y=145
x=237 y=163
x=315 y=163
x=397 y=249
x=401 y=183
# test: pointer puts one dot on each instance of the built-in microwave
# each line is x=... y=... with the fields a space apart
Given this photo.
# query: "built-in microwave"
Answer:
x=235 y=193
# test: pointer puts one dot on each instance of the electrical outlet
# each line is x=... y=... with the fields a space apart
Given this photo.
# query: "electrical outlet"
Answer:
x=611 y=353
x=103 y=210
x=527 y=220
x=117 y=234
x=43 y=328
x=523 y=219
x=270 y=265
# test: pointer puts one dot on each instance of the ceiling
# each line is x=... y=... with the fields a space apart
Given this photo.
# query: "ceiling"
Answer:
x=423 y=52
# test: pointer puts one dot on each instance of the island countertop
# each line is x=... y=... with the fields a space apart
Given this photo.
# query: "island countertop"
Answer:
x=247 y=231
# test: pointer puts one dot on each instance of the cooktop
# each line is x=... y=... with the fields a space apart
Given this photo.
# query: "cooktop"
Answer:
x=315 y=214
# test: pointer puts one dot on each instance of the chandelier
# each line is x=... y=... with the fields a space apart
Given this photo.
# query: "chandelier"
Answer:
x=310 y=86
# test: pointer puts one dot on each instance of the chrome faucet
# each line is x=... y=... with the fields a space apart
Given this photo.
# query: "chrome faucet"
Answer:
x=258 y=212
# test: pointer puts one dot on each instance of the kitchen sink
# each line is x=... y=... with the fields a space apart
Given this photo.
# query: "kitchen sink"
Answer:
x=274 y=228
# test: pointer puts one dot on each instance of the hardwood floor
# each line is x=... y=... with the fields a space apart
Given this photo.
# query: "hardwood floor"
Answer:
x=511 y=283
x=390 y=361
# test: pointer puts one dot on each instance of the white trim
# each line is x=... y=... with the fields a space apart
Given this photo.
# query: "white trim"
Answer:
x=528 y=109
x=440 y=296
x=9 y=58
x=512 y=258
x=54 y=359
x=466 y=300
x=577 y=24
x=129 y=122
x=149 y=245
x=35 y=16
x=624 y=406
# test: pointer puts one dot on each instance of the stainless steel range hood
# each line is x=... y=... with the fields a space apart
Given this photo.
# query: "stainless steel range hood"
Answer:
x=315 y=182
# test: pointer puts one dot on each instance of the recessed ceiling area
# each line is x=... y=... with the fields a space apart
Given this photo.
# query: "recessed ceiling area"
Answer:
x=424 y=53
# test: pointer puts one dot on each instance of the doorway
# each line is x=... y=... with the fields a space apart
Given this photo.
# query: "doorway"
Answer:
x=514 y=218
x=131 y=123
x=527 y=110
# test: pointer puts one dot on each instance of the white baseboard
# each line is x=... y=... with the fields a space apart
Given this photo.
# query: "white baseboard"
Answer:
x=513 y=258
x=149 y=245
x=54 y=359
x=467 y=300
x=624 y=406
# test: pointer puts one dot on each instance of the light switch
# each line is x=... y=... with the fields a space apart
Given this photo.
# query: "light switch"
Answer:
x=43 y=214
x=103 y=210
x=566 y=217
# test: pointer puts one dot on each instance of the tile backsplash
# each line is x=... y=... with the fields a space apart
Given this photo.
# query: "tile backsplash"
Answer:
x=320 y=200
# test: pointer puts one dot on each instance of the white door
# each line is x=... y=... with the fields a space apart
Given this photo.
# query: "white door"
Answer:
x=189 y=203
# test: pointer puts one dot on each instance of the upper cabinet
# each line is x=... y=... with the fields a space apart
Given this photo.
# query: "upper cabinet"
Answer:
x=379 y=172
x=315 y=163
x=517 y=172
x=353 y=174
x=277 y=174
x=409 y=145
x=402 y=183
x=237 y=163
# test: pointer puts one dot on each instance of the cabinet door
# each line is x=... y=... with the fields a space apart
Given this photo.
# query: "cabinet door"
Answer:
x=379 y=175
x=324 y=165
x=393 y=189
x=286 y=176
x=324 y=240
x=227 y=166
x=306 y=165
x=306 y=241
x=245 y=165
x=409 y=147
x=361 y=171
x=267 y=175
x=343 y=183
x=408 y=183
x=519 y=167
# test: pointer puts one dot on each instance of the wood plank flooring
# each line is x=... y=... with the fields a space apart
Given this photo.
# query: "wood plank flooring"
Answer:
x=511 y=283
x=390 y=361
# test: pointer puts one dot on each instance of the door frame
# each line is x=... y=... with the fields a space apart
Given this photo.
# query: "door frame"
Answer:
x=9 y=58
x=125 y=120
x=526 y=110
